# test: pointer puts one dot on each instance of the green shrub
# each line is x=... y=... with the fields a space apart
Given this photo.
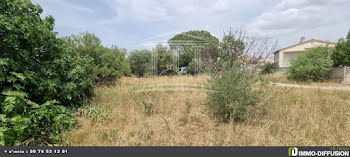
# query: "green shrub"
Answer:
x=269 y=68
x=69 y=79
x=38 y=74
x=313 y=65
x=110 y=63
x=113 y=64
x=165 y=60
x=192 y=66
x=232 y=93
x=24 y=122
x=149 y=107
x=140 y=62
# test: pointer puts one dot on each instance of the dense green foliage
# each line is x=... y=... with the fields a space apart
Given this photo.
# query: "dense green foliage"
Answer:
x=165 y=60
x=341 y=54
x=232 y=93
x=196 y=63
x=190 y=40
x=39 y=75
x=269 y=68
x=313 y=65
x=140 y=62
x=110 y=63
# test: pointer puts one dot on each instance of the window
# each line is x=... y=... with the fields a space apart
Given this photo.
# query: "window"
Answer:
x=292 y=57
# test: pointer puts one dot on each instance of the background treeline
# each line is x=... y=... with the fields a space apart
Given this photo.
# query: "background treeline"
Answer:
x=165 y=57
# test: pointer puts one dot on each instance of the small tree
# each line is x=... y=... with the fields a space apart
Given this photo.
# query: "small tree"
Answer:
x=341 y=54
x=313 y=65
x=238 y=45
x=269 y=68
x=235 y=88
x=233 y=93
x=140 y=62
x=110 y=63
x=196 y=66
x=164 y=59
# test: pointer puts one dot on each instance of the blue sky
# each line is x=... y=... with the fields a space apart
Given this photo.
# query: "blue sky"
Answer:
x=139 y=24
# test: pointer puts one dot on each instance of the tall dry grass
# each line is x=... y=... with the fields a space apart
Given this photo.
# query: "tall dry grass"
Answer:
x=118 y=116
x=282 y=78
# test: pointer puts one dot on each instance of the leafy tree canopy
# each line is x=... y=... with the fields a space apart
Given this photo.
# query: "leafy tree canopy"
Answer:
x=165 y=59
x=110 y=63
x=341 y=54
x=191 y=39
x=140 y=62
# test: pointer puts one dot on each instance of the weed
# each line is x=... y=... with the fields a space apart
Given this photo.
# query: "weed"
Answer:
x=149 y=107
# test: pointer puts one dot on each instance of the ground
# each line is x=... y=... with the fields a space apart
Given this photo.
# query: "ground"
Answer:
x=281 y=78
x=169 y=111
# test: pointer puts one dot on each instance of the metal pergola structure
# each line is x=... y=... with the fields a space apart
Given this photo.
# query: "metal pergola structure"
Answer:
x=177 y=48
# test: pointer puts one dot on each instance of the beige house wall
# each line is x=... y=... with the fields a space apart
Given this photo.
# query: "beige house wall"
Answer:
x=286 y=62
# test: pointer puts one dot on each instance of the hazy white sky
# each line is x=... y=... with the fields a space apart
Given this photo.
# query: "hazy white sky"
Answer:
x=137 y=24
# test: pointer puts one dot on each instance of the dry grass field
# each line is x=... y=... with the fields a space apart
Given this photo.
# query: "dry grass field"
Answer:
x=277 y=77
x=129 y=114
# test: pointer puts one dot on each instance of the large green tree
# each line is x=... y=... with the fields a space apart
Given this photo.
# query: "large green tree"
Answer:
x=190 y=40
x=38 y=74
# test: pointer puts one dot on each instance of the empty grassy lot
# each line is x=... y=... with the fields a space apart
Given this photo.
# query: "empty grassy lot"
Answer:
x=128 y=115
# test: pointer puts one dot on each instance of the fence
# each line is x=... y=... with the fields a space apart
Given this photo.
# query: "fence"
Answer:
x=347 y=75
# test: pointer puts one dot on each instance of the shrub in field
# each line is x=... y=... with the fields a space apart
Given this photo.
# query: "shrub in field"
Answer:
x=140 y=62
x=39 y=75
x=233 y=93
x=110 y=63
x=269 y=68
x=165 y=60
x=113 y=64
x=341 y=54
x=313 y=65
x=196 y=63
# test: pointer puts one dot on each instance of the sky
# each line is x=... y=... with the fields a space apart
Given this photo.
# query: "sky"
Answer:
x=141 y=24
